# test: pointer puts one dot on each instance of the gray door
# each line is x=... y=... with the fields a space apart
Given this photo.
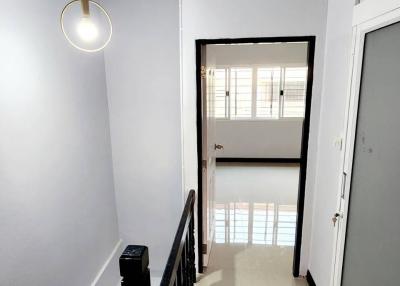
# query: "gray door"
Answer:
x=372 y=250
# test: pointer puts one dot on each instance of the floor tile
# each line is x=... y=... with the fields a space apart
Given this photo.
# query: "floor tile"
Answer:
x=255 y=226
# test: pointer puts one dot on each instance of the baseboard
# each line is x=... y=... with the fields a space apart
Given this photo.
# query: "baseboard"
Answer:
x=310 y=279
x=109 y=268
x=258 y=160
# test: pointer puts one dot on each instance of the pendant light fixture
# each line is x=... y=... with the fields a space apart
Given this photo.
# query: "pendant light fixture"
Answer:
x=86 y=25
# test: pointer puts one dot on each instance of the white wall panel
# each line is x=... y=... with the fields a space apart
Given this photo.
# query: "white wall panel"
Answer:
x=58 y=219
x=260 y=138
x=337 y=63
x=209 y=19
x=142 y=64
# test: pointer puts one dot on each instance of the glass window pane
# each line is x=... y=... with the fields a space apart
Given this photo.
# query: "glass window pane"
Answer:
x=241 y=89
x=220 y=93
x=294 y=87
x=268 y=86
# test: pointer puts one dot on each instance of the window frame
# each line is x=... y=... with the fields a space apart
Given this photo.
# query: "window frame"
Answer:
x=255 y=68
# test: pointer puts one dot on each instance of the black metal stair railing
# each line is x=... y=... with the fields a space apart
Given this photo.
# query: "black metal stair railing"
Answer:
x=180 y=269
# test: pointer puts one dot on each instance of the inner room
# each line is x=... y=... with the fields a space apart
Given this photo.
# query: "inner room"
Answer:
x=254 y=99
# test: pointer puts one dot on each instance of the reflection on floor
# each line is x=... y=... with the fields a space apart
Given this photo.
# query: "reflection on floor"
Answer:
x=255 y=226
x=255 y=223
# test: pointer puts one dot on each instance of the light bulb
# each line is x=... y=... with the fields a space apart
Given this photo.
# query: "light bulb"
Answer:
x=86 y=25
x=87 y=30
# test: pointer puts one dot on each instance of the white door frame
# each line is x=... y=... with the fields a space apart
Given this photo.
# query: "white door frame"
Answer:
x=368 y=16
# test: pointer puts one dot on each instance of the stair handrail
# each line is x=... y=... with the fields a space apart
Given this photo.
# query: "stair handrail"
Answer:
x=180 y=268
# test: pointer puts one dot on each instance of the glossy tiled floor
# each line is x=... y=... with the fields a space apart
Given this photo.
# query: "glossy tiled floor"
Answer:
x=255 y=226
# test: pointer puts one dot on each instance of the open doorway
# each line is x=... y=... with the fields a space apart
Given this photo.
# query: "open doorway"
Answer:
x=256 y=81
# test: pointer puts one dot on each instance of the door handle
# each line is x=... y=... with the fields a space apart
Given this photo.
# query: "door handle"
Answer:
x=336 y=217
x=218 y=147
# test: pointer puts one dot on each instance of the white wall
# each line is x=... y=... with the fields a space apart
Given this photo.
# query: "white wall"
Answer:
x=269 y=54
x=337 y=62
x=259 y=138
x=255 y=18
x=58 y=220
x=142 y=63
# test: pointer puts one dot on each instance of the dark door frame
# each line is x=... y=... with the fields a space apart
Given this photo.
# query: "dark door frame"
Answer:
x=304 y=144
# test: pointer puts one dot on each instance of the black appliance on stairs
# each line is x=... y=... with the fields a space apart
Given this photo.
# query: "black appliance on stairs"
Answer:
x=134 y=266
